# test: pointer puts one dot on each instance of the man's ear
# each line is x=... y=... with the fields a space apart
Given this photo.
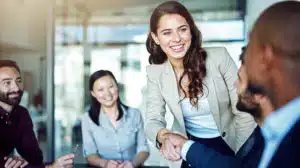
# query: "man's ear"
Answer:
x=258 y=97
x=154 y=37
x=269 y=56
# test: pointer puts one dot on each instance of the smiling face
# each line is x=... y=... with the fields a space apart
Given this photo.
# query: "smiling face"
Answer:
x=105 y=91
x=11 y=89
x=173 y=35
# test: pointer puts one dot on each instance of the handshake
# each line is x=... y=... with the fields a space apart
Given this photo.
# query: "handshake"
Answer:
x=171 y=144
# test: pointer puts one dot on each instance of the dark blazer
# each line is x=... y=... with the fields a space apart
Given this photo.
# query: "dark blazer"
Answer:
x=200 y=156
x=288 y=152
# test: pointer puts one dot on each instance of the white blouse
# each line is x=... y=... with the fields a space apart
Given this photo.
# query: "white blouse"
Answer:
x=199 y=122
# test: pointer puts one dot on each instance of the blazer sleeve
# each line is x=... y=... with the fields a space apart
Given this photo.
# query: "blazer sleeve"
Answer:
x=200 y=156
x=244 y=122
x=142 y=145
x=155 y=106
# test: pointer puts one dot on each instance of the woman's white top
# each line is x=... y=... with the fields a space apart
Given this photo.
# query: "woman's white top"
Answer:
x=199 y=122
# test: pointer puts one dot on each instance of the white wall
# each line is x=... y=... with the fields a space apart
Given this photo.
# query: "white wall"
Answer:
x=22 y=23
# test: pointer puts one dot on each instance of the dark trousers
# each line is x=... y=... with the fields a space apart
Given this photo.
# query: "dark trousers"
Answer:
x=217 y=144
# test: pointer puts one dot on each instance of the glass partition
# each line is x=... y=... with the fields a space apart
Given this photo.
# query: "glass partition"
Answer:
x=68 y=100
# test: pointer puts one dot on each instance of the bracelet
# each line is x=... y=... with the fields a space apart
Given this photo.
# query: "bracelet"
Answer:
x=158 y=144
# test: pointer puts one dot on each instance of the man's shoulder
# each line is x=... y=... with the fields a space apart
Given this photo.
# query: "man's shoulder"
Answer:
x=21 y=111
x=293 y=136
x=19 y=107
x=254 y=142
x=287 y=154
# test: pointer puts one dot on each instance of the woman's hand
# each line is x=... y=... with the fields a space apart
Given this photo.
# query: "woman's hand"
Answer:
x=65 y=161
x=168 y=149
x=126 y=164
x=111 y=164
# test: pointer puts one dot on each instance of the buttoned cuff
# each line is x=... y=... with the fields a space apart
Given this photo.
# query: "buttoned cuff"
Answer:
x=143 y=148
x=185 y=148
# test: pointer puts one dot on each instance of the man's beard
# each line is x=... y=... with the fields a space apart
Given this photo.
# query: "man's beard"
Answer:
x=256 y=88
x=245 y=103
x=4 y=97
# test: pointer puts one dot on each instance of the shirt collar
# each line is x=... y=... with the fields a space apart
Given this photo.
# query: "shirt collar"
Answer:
x=5 y=116
x=278 y=123
x=3 y=111
x=104 y=119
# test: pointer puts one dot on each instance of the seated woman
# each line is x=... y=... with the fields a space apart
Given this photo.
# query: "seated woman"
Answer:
x=113 y=133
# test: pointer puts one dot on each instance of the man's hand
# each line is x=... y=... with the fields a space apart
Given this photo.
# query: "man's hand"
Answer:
x=177 y=140
x=15 y=162
x=112 y=164
x=65 y=161
x=168 y=151
x=126 y=164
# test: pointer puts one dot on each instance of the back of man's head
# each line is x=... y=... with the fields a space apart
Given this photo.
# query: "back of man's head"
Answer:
x=9 y=63
x=278 y=26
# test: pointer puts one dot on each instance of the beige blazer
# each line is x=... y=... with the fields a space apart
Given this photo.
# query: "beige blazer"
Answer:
x=234 y=126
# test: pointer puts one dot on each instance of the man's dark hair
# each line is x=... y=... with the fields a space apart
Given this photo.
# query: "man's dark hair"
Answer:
x=242 y=54
x=278 y=26
x=9 y=63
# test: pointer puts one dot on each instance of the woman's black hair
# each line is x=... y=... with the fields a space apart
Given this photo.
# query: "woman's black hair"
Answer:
x=95 y=107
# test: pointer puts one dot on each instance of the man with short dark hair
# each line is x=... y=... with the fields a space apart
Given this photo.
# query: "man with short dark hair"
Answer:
x=16 y=129
x=272 y=64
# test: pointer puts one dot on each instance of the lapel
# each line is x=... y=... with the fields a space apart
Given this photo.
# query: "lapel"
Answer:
x=210 y=91
x=170 y=91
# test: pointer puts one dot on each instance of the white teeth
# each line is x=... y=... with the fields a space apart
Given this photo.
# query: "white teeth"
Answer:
x=177 y=47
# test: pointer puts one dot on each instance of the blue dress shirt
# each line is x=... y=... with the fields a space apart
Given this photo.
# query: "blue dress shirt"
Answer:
x=186 y=146
x=276 y=126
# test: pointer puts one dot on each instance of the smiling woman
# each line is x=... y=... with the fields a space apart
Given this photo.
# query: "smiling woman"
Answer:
x=174 y=42
x=196 y=84
x=113 y=133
